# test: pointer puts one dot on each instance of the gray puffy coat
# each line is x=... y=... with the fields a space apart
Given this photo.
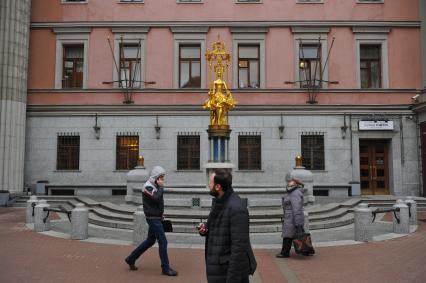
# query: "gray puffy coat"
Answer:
x=292 y=203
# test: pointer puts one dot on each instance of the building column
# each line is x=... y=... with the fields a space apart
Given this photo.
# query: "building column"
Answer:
x=14 y=41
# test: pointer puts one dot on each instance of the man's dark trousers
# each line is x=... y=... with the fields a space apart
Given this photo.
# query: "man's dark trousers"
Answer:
x=155 y=232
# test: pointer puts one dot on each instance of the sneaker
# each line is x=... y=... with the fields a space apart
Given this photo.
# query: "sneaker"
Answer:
x=280 y=255
x=170 y=272
x=131 y=265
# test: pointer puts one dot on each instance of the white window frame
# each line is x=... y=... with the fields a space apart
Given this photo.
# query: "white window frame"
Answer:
x=65 y=36
x=370 y=1
x=132 y=36
x=131 y=1
x=373 y=37
x=248 y=1
x=311 y=36
x=310 y=2
x=251 y=36
x=189 y=1
x=183 y=36
x=80 y=2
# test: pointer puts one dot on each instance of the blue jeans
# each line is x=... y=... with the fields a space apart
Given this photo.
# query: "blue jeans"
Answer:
x=155 y=232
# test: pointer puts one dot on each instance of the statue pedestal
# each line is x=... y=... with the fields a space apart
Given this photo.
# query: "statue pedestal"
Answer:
x=211 y=166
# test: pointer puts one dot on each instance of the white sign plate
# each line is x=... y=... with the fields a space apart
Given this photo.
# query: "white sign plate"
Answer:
x=375 y=125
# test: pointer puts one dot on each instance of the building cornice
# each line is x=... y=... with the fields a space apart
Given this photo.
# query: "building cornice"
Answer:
x=233 y=24
x=240 y=110
x=205 y=91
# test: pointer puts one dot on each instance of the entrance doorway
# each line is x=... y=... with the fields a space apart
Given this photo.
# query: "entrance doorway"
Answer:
x=374 y=166
x=423 y=140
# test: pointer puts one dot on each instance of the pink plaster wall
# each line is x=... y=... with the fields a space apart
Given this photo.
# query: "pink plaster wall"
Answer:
x=100 y=58
x=215 y=10
x=41 y=63
x=404 y=59
x=159 y=58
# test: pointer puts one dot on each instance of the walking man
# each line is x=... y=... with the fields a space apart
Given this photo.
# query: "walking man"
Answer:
x=153 y=207
x=228 y=253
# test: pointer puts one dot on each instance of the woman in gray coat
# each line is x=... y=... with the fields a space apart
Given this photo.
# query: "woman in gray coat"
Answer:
x=293 y=218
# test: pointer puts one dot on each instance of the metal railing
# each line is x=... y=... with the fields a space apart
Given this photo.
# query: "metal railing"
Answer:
x=68 y=212
x=384 y=210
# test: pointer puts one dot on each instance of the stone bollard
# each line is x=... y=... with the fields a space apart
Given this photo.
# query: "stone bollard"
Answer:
x=29 y=214
x=80 y=222
x=39 y=215
x=140 y=226
x=362 y=223
x=412 y=206
x=306 y=226
x=403 y=227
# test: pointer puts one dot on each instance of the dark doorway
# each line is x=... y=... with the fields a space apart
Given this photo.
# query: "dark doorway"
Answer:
x=374 y=167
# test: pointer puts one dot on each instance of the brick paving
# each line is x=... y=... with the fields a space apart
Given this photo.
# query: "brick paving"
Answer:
x=27 y=256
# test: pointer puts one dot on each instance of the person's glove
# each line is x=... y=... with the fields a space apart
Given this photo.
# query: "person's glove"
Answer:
x=300 y=232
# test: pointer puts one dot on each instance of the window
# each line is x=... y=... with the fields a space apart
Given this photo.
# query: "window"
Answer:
x=370 y=1
x=372 y=69
x=127 y=152
x=248 y=66
x=310 y=65
x=189 y=1
x=249 y=153
x=130 y=65
x=68 y=153
x=73 y=64
x=189 y=48
x=248 y=1
x=370 y=66
x=189 y=66
x=188 y=152
x=310 y=1
x=74 y=1
x=313 y=152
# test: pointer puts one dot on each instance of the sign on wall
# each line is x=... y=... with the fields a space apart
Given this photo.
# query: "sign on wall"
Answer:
x=375 y=125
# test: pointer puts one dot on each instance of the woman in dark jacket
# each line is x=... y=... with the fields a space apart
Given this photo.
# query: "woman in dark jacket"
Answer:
x=293 y=218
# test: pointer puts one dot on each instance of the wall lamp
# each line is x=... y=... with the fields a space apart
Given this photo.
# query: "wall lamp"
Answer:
x=344 y=128
x=97 y=128
x=157 y=129
x=281 y=129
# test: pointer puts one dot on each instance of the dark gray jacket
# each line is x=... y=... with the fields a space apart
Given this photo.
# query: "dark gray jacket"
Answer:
x=152 y=195
x=292 y=203
x=229 y=256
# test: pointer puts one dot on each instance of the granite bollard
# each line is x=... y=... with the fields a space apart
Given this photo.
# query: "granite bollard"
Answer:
x=29 y=212
x=412 y=206
x=39 y=215
x=403 y=227
x=140 y=226
x=362 y=223
x=80 y=222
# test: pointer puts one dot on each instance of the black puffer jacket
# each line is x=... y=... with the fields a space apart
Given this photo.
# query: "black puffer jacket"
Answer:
x=229 y=256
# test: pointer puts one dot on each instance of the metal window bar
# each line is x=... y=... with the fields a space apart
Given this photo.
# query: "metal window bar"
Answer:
x=68 y=157
x=188 y=152
x=249 y=152
x=127 y=152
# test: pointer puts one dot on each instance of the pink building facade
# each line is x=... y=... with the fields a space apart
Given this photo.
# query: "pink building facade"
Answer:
x=332 y=80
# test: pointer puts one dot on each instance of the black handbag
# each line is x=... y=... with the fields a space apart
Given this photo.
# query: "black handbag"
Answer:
x=303 y=245
x=167 y=225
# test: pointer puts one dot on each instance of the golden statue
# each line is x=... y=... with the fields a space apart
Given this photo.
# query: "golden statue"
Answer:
x=220 y=99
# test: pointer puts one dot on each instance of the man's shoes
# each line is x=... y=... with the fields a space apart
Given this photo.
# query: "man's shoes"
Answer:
x=170 y=272
x=131 y=265
x=281 y=255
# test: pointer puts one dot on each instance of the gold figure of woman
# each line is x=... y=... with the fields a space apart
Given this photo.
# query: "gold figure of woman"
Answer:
x=220 y=99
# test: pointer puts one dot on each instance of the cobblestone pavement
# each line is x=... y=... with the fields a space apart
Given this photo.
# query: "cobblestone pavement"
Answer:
x=27 y=256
